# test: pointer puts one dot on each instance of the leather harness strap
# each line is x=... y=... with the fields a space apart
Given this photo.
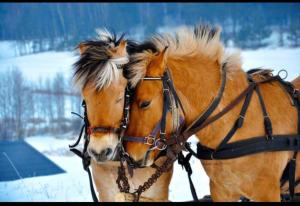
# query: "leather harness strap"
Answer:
x=255 y=145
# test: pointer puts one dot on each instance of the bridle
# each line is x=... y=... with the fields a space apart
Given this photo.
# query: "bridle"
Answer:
x=173 y=146
x=88 y=130
x=170 y=101
x=268 y=142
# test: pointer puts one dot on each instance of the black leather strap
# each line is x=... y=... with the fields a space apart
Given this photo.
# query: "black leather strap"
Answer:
x=239 y=122
x=185 y=162
x=250 y=146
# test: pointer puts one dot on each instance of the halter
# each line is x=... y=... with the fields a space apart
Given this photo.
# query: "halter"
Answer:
x=174 y=146
x=171 y=101
x=88 y=130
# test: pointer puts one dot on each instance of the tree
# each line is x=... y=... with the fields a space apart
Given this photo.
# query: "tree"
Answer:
x=294 y=32
x=58 y=87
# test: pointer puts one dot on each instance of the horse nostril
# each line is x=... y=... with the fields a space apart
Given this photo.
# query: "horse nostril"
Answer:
x=108 y=151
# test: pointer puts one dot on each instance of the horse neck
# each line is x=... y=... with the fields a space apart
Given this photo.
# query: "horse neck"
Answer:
x=197 y=83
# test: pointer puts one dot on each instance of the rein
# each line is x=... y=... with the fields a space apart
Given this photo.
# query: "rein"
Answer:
x=88 y=130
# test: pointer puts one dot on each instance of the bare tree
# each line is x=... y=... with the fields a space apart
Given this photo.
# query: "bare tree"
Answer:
x=59 y=86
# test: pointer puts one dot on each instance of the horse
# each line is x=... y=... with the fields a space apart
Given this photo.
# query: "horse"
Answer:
x=284 y=188
x=195 y=60
x=98 y=75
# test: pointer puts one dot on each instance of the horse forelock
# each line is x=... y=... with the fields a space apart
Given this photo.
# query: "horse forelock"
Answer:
x=202 y=40
x=97 y=64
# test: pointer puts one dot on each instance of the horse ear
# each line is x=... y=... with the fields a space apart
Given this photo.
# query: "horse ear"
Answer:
x=122 y=44
x=161 y=55
x=82 y=48
x=158 y=63
x=120 y=50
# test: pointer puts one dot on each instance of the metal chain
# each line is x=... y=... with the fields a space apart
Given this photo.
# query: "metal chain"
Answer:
x=122 y=180
x=123 y=183
x=159 y=171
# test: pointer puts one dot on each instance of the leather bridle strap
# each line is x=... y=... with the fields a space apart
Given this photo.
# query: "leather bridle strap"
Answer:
x=88 y=130
x=92 y=130
x=193 y=127
x=86 y=159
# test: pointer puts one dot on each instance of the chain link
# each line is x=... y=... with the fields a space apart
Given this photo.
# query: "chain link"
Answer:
x=123 y=183
x=159 y=171
x=122 y=180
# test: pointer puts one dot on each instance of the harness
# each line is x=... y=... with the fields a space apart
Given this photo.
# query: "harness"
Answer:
x=267 y=143
x=88 y=130
x=178 y=140
x=170 y=101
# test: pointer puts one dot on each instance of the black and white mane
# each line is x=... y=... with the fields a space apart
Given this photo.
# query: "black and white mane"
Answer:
x=96 y=63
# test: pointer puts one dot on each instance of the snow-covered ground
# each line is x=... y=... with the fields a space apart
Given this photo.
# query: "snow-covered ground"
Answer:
x=42 y=65
x=73 y=185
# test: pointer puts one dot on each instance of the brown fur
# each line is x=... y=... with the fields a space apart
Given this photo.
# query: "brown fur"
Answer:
x=296 y=83
x=197 y=80
x=105 y=108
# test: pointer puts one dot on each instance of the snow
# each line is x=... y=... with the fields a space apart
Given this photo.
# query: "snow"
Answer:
x=9 y=48
x=277 y=59
x=42 y=65
x=70 y=186
x=73 y=185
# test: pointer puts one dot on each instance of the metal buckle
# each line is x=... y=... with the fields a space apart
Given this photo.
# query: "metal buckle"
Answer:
x=162 y=146
x=150 y=140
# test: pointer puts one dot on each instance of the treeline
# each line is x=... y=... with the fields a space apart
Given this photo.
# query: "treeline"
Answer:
x=41 y=107
x=60 y=26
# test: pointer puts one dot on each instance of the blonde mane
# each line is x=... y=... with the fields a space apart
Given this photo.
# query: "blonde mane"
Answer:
x=97 y=63
x=202 y=40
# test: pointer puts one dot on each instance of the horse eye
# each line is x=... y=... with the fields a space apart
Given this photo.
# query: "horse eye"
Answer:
x=144 y=104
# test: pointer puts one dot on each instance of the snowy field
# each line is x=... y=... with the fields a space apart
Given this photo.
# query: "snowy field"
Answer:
x=73 y=185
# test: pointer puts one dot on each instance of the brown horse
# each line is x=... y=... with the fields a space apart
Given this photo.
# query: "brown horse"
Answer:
x=194 y=58
x=284 y=189
x=99 y=77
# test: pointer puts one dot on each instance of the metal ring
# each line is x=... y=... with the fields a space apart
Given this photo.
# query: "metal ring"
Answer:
x=282 y=70
x=164 y=144
x=151 y=138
